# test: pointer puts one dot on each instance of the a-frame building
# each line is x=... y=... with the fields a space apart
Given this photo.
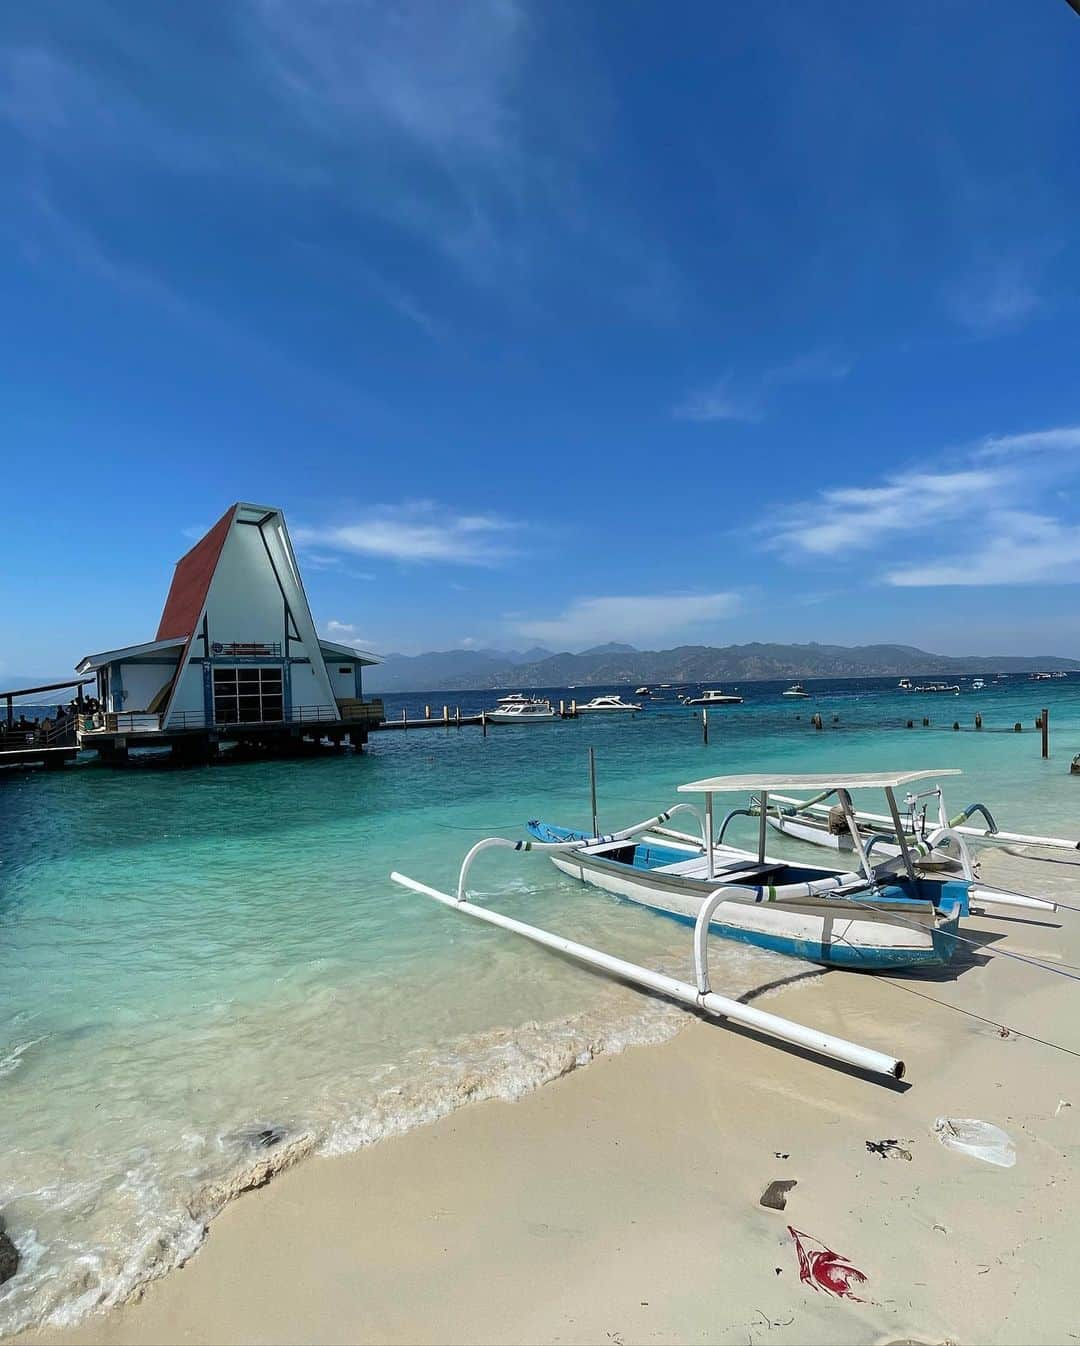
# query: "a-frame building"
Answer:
x=236 y=655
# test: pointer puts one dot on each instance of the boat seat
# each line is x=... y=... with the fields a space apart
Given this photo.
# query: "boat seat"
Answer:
x=736 y=871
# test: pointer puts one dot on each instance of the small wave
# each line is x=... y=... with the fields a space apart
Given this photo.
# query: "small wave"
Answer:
x=11 y=1062
x=156 y=1228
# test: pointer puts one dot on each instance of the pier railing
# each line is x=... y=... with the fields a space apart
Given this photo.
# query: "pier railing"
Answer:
x=148 y=722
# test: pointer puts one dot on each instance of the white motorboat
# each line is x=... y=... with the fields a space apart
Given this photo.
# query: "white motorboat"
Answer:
x=796 y=689
x=714 y=697
x=605 y=704
x=904 y=685
x=642 y=691
x=977 y=684
x=522 y=712
x=515 y=699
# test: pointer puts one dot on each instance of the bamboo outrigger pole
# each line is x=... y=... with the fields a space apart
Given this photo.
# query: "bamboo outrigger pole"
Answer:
x=699 y=997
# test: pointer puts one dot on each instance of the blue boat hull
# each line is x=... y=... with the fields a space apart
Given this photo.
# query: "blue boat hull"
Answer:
x=902 y=924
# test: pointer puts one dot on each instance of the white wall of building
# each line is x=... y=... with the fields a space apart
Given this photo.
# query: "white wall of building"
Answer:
x=140 y=683
x=343 y=683
x=245 y=603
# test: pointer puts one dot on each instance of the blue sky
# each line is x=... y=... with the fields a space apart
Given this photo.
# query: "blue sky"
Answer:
x=547 y=322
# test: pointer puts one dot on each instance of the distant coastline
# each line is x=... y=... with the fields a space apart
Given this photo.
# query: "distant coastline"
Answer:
x=607 y=665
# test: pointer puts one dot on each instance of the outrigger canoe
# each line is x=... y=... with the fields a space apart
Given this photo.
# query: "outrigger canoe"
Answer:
x=880 y=916
x=884 y=915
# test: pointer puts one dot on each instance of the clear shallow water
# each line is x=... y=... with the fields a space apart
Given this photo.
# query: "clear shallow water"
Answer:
x=189 y=958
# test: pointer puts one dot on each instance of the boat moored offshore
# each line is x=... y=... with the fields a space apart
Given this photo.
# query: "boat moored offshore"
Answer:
x=714 y=697
x=606 y=704
x=522 y=712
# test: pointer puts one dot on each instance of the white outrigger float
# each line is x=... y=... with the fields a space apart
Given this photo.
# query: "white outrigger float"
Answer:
x=882 y=916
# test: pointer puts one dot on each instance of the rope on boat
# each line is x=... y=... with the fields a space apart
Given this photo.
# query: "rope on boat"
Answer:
x=959 y=1009
x=1069 y=970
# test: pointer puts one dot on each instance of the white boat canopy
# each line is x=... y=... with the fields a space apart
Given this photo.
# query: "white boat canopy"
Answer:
x=867 y=780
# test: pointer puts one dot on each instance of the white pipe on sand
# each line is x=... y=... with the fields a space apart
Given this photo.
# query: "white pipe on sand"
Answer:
x=824 y=1044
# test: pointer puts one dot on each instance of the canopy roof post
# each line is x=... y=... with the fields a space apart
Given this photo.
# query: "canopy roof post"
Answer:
x=764 y=803
x=709 y=835
x=853 y=828
x=901 y=836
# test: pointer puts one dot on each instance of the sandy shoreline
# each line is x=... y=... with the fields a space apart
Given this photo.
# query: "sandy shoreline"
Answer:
x=621 y=1203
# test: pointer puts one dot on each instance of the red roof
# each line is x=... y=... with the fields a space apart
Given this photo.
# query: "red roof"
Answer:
x=191 y=582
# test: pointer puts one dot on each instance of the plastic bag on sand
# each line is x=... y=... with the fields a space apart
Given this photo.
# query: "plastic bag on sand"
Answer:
x=979 y=1139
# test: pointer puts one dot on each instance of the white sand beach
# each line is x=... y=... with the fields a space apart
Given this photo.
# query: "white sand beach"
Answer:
x=621 y=1204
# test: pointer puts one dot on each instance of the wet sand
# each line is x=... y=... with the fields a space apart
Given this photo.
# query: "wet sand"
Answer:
x=621 y=1204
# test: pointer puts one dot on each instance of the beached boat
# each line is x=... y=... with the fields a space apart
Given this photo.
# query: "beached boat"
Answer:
x=796 y=689
x=714 y=697
x=884 y=915
x=881 y=916
x=522 y=712
x=606 y=704
x=935 y=840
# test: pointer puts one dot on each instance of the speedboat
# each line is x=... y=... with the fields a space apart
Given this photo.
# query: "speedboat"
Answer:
x=796 y=689
x=714 y=697
x=642 y=691
x=904 y=685
x=977 y=684
x=522 y=712
x=607 y=703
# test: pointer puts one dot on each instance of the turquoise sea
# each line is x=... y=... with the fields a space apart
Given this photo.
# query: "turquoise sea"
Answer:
x=206 y=973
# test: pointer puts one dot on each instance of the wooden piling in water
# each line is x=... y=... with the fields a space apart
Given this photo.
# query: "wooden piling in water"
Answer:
x=427 y=712
x=1046 y=733
x=705 y=726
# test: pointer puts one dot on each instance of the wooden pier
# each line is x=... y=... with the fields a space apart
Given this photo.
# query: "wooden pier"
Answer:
x=455 y=720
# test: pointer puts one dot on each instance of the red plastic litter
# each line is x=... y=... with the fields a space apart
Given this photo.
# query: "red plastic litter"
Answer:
x=824 y=1269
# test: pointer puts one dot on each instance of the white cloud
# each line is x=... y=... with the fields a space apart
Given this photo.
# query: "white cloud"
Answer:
x=437 y=75
x=1034 y=441
x=418 y=532
x=345 y=633
x=996 y=296
x=1013 y=547
x=858 y=518
x=721 y=401
x=645 y=618
x=731 y=399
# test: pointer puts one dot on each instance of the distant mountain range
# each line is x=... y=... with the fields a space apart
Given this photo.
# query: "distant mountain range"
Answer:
x=457 y=670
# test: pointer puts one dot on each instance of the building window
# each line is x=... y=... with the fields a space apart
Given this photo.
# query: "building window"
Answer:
x=250 y=695
x=345 y=670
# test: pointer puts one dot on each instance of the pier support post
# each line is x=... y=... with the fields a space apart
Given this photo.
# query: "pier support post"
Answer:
x=1045 y=733
x=446 y=714
x=705 y=726
x=427 y=712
